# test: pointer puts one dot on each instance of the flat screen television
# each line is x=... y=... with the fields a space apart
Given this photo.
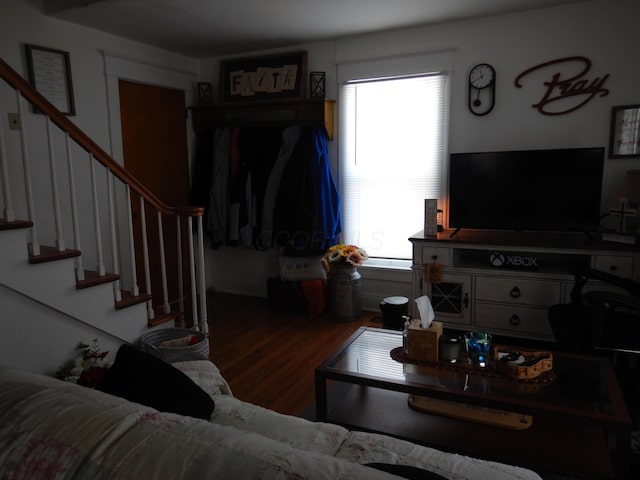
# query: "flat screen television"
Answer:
x=531 y=190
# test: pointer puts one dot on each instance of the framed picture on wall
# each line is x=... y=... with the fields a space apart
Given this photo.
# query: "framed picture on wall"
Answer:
x=624 y=137
x=49 y=73
x=270 y=77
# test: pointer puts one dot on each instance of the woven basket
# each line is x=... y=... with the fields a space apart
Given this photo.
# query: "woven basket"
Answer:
x=150 y=343
x=518 y=372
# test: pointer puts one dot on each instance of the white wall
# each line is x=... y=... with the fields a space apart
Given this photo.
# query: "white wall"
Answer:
x=27 y=326
x=22 y=23
x=40 y=339
x=604 y=31
x=97 y=61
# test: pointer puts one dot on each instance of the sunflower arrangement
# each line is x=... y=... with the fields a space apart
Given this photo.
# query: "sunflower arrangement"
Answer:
x=342 y=254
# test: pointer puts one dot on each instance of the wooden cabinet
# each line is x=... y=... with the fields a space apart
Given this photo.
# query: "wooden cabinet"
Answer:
x=504 y=283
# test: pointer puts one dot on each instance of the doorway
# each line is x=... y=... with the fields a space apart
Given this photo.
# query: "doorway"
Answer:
x=154 y=143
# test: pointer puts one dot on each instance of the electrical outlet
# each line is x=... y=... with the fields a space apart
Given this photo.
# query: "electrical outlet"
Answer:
x=14 y=121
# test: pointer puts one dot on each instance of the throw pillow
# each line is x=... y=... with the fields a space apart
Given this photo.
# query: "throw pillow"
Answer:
x=142 y=378
x=406 y=471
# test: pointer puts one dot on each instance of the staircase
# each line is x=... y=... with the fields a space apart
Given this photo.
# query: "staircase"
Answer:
x=67 y=204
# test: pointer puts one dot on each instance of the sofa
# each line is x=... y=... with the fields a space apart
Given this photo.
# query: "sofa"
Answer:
x=51 y=429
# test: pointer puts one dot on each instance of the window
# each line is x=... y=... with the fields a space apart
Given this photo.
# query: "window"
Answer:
x=392 y=157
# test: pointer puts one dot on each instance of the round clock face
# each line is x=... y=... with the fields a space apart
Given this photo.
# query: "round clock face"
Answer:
x=481 y=76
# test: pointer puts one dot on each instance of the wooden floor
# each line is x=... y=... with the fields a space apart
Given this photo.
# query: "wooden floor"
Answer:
x=269 y=357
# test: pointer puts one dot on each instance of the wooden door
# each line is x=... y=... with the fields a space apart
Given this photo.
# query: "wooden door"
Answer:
x=154 y=139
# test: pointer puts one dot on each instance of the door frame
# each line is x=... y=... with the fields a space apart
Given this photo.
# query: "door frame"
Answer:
x=117 y=68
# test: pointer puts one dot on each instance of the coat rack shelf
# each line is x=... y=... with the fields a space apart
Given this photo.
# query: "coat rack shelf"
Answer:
x=291 y=112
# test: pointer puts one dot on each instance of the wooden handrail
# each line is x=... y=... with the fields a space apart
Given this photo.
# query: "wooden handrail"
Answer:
x=32 y=95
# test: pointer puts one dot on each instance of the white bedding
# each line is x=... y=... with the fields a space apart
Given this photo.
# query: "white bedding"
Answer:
x=50 y=429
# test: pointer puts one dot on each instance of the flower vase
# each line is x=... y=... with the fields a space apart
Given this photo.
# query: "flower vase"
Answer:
x=345 y=292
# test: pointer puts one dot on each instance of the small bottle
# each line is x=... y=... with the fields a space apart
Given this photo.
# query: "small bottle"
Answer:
x=405 y=334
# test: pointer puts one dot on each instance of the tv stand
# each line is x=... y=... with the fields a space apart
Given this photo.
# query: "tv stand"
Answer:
x=504 y=282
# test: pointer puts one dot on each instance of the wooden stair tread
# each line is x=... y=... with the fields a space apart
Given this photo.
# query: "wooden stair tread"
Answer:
x=129 y=299
x=92 y=278
x=161 y=317
x=50 y=254
x=4 y=225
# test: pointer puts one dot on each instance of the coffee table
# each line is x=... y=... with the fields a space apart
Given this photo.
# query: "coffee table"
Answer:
x=580 y=426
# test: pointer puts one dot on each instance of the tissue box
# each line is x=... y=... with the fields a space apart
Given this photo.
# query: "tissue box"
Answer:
x=422 y=343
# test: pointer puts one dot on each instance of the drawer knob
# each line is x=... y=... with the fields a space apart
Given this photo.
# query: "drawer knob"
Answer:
x=514 y=320
x=613 y=268
x=515 y=292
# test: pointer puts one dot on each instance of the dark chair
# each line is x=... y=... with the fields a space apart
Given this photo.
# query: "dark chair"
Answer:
x=605 y=318
x=605 y=322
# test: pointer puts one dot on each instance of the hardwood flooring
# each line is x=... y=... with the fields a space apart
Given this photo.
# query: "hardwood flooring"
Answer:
x=268 y=357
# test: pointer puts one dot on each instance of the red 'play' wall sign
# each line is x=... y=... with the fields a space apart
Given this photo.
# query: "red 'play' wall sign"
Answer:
x=563 y=87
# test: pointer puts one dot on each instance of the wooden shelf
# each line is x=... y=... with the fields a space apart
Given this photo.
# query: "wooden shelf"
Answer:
x=292 y=112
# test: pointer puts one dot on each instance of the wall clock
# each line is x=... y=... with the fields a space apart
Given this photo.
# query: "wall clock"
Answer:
x=482 y=89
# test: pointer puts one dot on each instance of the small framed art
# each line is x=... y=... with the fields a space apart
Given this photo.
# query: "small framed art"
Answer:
x=317 y=85
x=49 y=73
x=205 y=93
x=624 y=137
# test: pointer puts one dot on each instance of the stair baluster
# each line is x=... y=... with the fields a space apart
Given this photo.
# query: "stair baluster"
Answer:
x=180 y=268
x=34 y=244
x=96 y=219
x=163 y=265
x=145 y=256
x=115 y=253
x=135 y=290
x=9 y=215
x=204 y=326
x=57 y=217
x=74 y=211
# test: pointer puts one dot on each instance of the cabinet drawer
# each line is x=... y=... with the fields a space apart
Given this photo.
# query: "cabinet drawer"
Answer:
x=511 y=319
x=620 y=265
x=427 y=253
x=518 y=291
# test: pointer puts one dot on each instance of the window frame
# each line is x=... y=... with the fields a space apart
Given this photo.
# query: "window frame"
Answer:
x=404 y=67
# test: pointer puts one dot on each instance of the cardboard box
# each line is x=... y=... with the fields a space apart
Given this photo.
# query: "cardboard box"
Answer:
x=422 y=343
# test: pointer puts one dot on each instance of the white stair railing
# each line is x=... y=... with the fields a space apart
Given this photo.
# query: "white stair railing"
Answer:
x=84 y=228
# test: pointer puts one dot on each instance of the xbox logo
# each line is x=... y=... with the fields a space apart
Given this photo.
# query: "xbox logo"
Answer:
x=497 y=259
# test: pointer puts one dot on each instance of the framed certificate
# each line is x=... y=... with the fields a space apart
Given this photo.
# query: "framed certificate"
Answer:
x=624 y=137
x=50 y=74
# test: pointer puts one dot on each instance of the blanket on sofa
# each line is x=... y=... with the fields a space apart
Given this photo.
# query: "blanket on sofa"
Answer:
x=51 y=429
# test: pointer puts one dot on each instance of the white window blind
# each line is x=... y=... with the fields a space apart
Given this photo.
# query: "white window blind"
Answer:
x=392 y=157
